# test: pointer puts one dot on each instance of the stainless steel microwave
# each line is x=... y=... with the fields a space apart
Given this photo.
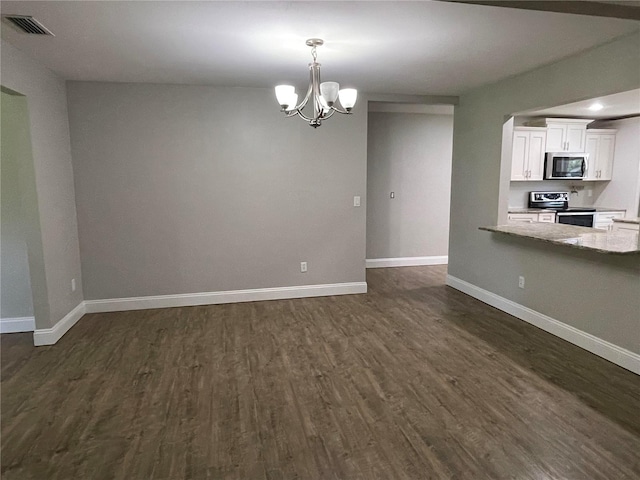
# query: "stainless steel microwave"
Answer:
x=566 y=165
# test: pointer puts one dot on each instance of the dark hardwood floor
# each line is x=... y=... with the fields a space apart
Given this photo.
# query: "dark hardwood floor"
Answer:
x=411 y=381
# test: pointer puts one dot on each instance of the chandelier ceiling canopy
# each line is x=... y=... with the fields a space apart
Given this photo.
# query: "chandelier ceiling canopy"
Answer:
x=323 y=96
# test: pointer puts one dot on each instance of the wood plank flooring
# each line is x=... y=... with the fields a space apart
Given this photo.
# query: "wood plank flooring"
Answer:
x=411 y=381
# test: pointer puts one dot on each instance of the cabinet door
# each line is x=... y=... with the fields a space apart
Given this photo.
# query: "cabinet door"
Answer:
x=516 y=218
x=519 y=155
x=556 y=134
x=592 y=147
x=606 y=149
x=547 y=217
x=631 y=227
x=537 y=141
x=575 y=137
x=604 y=220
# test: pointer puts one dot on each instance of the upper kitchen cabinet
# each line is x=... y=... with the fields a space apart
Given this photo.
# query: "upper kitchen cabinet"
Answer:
x=527 y=154
x=566 y=134
x=600 y=145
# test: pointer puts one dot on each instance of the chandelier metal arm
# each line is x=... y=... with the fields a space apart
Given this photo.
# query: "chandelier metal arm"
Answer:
x=300 y=114
x=303 y=103
x=298 y=109
x=328 y=115
x=339 y=110
x=315 y=85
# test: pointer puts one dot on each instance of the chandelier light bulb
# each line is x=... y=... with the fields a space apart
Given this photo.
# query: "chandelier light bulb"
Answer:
x=284 y=94
x=329 y=91
x=348 y=97
x=325 y=106
x=293 y=101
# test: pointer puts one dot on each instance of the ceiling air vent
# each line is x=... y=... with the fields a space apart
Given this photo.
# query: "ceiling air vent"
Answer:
x=27 y=24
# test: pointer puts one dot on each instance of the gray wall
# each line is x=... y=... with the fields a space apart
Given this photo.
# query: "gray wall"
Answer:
x=593 y=292
x=15 y=293
x=185 y=189
x=56 y=260
x=408 y=154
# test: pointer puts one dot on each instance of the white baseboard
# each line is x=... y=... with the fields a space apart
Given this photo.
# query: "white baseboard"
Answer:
x=229 y=296
x=49 y=336
x=17 y=324
x=615 y=354
x=406 y=261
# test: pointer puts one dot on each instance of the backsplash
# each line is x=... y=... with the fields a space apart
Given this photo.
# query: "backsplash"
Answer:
x=519 y=192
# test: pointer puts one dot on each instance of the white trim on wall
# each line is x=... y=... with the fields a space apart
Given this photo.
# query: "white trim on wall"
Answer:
x=49 y=336
x=17 y=324
x=615 y=354
x=388 y=107
x=229 y=296
x=407 y=261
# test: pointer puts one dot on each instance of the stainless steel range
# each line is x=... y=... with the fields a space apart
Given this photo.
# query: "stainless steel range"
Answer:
x=559 y=201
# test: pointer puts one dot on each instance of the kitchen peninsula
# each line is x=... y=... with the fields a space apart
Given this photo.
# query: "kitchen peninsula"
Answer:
x=608 y=242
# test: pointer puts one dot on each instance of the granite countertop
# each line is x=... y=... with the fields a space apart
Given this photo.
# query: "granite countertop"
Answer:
x=530 y=210
x=547 y=210
x=620 y=242
x=635 y=220
x=603 y=209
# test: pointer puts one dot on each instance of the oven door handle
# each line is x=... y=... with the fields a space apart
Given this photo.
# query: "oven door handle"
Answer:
x=571 y=214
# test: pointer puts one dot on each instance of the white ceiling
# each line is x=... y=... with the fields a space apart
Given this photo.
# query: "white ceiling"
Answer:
x=617 y=105
x=426 y=47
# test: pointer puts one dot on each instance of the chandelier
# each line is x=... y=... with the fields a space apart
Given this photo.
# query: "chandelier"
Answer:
x=323 y=95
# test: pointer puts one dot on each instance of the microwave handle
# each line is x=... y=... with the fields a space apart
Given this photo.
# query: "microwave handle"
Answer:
x=586 y=167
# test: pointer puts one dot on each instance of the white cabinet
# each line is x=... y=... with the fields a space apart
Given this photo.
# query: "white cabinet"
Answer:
x=527 y=154
x=547 y=217
x=516 y=218
x=522 y=218
x=625 y=227
x=600 y=145
x=566 y=134
x=604 y=220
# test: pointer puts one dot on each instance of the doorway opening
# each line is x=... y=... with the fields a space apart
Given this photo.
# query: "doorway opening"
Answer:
x=22 y=264
x=409 y=157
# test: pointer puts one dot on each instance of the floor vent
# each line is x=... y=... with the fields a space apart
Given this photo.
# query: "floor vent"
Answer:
x=27 y=24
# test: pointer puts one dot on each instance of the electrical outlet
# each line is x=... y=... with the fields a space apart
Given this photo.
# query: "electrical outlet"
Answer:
x=392 y=195
x=303 y=267
x=521 y=281
x=589 y=193
x=356 y=201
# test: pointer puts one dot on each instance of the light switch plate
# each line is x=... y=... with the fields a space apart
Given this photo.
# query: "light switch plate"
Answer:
x=356 y=201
